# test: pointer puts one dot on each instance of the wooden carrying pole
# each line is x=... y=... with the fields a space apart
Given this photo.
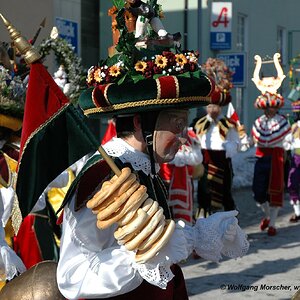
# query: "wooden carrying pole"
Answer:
x=109 y=161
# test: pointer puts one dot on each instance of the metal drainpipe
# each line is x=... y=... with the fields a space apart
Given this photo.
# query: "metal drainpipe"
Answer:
x=185 y=24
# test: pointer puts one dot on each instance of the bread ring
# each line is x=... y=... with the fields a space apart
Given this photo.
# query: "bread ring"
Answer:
x=143 y=256
x=153 y=236
x=133 y=199
x=129 y=215
x=115 y=196
x=127 y=238
x=108 y=189
x=127 y=206
x=147 y=204
x=153 y=209
x=138 y=221
x=146 y=231
x=124 y=187
x=127 y=184
x=106 y=211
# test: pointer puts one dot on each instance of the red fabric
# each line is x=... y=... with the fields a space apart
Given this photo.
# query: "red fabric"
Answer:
x=181 y=194
x=191 y=135
x=231 y=113
x=99 y=95
x=168 y=87
x=109 y=133
x=166 y=171
x=276 y=183
x=180 y=190
x=60 y=218
x=41 y=86
x=26 y=244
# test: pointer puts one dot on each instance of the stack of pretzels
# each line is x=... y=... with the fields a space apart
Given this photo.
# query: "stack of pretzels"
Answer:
x=141 y=223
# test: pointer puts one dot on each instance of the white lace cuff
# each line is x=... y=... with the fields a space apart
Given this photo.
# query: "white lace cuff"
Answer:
x=157 y=270
x=158 y=275
x=211 y=241
x=211 y=238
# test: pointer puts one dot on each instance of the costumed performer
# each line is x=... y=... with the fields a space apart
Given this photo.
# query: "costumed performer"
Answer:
x=269 y=133
x=220 y=141
x=119 y=241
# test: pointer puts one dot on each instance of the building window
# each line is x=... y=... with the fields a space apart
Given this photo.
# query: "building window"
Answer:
x=281 y=41
x=241 y=41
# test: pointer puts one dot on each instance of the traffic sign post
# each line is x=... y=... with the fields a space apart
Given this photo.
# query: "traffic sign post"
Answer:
x=220 y=27
x=236 y=62
x=68 y=30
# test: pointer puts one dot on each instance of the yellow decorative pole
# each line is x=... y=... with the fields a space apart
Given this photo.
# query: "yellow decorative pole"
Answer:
x=30 y=55
x=25 y=48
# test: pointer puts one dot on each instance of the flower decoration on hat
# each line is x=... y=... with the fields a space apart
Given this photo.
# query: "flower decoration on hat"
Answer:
x=165 y=64
x=268 y=85
x=218 y=70
x=146 y=74
x=67 y=59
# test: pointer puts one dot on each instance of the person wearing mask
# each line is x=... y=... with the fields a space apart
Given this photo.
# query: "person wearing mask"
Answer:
x=269 y=134
x=119 y=238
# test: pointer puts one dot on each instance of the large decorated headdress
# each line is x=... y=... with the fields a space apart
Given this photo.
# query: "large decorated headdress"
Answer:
x=218 y=70
x=145 y=75
x=268 y=85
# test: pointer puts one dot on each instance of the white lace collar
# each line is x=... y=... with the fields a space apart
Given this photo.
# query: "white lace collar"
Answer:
x=127 y=154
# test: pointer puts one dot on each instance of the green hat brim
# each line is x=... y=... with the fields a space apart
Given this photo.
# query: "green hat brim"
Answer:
x=164 y=92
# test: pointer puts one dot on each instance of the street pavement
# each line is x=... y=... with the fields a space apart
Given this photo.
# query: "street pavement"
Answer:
x=270 y=270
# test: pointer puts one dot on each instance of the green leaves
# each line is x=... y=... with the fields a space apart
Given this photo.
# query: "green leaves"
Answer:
x=119 y=3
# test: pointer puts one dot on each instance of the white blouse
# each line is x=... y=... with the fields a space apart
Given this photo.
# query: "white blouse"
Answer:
x=212 y=139
x=93 y=265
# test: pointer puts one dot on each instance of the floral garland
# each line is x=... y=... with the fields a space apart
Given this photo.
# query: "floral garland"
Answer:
x=65 y=55
x=167 y=63
x=12 y=93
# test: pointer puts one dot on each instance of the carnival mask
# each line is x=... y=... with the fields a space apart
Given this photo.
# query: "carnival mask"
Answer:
x=169 y=134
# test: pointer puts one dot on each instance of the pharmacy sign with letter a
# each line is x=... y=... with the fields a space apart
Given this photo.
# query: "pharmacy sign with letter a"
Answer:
x=220 y=25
